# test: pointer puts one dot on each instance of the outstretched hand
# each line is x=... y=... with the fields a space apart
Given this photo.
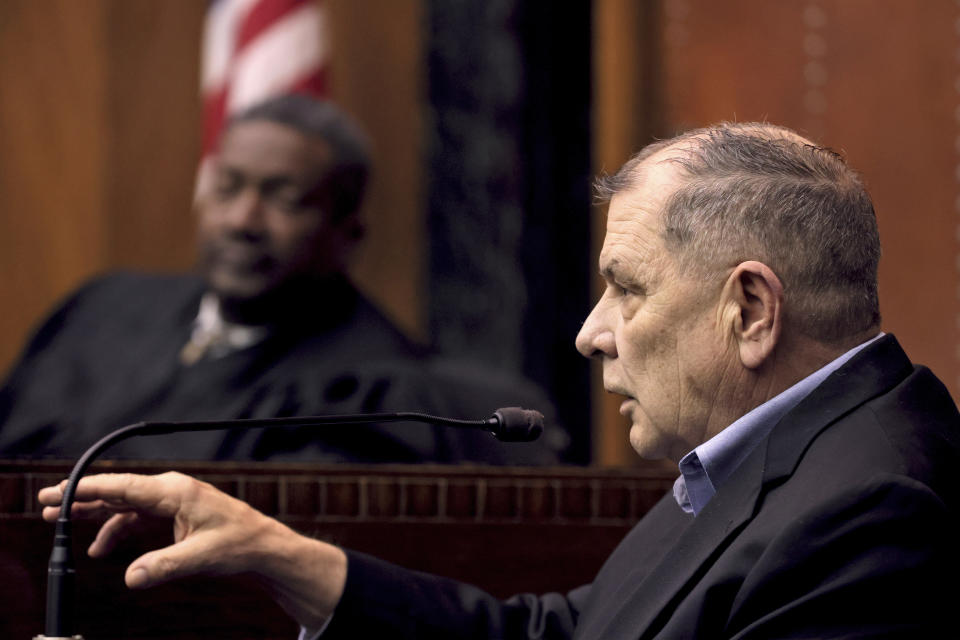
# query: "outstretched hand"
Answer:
x=214 y=534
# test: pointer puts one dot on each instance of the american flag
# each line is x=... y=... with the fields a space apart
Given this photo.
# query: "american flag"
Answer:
x=255 y=49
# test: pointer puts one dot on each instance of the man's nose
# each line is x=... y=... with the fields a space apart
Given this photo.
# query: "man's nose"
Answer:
x=246 y=211
x=596 y=337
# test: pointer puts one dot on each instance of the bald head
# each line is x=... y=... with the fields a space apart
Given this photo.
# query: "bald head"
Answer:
x=752 y=191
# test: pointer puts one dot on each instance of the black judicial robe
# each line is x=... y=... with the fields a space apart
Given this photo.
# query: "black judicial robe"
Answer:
x=843 y=523
x=109 y=356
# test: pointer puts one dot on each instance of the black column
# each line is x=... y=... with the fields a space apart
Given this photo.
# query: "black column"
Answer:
x=508 y=181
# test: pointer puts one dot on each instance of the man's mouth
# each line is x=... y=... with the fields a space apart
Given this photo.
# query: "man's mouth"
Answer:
x=628 y=404
x=612 y=387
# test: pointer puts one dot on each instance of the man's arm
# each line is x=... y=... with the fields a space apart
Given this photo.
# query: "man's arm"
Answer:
x=215 y=534
x=415 y=605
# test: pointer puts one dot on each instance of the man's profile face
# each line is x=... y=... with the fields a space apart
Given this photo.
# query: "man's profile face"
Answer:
x=264 y=222
x=656 y=329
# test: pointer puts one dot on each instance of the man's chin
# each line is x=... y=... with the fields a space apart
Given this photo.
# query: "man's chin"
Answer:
x=645 y=443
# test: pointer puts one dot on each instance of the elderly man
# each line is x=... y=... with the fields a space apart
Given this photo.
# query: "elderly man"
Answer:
x=816 y=495
x=271 y=327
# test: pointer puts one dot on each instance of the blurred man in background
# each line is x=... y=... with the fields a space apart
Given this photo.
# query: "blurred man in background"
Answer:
x=271 y=327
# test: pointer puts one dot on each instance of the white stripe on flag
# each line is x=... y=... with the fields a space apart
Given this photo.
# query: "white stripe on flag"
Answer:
x=290 y=49
x=219 y=40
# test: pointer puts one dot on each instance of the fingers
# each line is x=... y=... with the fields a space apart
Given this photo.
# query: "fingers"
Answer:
x=214 y=533
x=112 y=532
x=50 y=498
x=158 y=495
x=86 y=510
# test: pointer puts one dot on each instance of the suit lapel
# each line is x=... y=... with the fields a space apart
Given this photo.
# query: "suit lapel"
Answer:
x=642 y=601
x=646 y=599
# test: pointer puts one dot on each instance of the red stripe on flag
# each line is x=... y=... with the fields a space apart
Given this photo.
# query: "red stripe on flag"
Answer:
x=314 y=83
x=214 y=114
x=262 y=16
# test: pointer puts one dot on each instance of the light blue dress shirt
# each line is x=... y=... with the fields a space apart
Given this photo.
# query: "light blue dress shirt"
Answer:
x=707 y=467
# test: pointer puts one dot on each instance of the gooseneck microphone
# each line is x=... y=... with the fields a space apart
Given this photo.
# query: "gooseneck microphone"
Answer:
x=511 y=424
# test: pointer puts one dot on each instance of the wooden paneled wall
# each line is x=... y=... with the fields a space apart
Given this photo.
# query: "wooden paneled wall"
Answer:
x=98 y=140
x=877 y=81
x=99 y=136
x=377 y=69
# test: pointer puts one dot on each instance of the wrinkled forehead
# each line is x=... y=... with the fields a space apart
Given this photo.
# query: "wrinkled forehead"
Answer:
x=635 y=214
x=652 y=183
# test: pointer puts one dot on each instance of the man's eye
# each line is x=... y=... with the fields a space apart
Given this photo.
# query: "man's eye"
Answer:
x=227 y=185
x=289 y=201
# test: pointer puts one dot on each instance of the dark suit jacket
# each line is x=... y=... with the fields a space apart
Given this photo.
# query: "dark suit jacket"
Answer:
x=842 y=523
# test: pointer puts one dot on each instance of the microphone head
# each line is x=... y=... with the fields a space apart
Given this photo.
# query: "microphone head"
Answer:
x=517 y=425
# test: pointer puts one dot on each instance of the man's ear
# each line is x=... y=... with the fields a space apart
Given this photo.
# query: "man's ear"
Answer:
x=758 y=292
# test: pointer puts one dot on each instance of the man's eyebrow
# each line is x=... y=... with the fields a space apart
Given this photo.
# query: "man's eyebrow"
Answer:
x=615 y=272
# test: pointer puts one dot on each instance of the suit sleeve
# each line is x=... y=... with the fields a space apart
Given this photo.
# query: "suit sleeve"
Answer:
x=880 y=562
x=382 y=600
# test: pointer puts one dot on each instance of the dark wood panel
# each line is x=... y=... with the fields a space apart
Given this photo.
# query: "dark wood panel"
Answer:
x=506 y=530
x=153 y=123
x=737 y=60
x=377 y=75
x=51 y=157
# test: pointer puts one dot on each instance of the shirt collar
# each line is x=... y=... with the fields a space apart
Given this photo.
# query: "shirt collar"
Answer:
x=707 y=467
x=219 y=337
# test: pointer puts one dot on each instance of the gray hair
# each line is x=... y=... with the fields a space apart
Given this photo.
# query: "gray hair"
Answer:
x=761 y=192
x=346 y=178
